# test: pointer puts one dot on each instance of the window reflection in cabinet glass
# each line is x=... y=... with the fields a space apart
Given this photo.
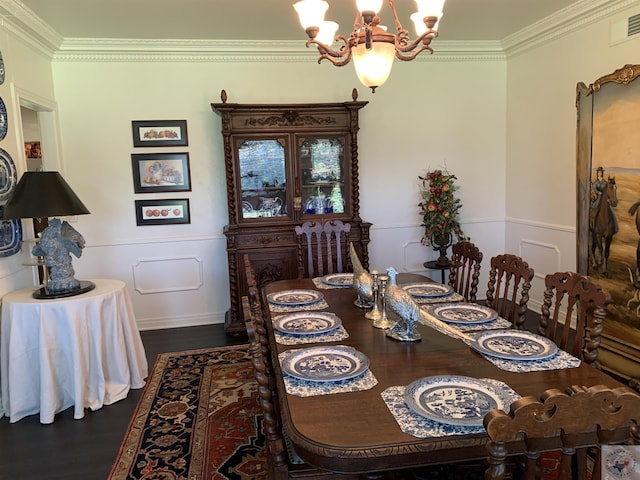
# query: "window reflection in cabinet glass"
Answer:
x=322 y=164
x=262 y=178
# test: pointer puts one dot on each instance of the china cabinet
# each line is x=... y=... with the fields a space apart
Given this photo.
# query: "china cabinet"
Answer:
x=286 y=164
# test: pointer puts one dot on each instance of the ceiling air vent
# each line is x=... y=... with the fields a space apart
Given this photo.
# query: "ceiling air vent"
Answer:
x=633 y=27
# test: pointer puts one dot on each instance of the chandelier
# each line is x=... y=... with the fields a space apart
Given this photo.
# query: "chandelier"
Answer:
x=370 y=45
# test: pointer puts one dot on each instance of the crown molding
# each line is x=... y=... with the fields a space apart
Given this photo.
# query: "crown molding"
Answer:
x=122 y=50
x=563 y=22
x=22 y=23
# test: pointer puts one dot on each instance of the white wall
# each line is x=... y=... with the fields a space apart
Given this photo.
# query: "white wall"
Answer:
x=541 y=141
x=429 y=114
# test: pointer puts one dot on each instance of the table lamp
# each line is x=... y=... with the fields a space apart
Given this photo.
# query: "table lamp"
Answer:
x=44 y=195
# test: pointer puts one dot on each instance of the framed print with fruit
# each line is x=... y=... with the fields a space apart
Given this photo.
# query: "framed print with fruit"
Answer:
x=161 y=172
x=162 y=212
x=159 y=133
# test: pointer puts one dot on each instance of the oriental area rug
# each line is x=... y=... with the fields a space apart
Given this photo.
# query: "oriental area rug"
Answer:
x=198 y=418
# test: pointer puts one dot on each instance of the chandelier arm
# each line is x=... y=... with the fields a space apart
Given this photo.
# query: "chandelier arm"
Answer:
x=339 y=57
x=403 y=45
x=400 y=55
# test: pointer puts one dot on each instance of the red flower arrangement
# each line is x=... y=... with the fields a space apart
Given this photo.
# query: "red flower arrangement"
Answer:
x=439 y=207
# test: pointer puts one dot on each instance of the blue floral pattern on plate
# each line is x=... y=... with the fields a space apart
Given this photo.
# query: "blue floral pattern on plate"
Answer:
x=338 y=279
x=422 y=427
x=325 y=364
x=10 y=236
x=454 y=297
x=336 y=335
x=8 y=175
x=320 y=305
x=463 y=313
x=295 y=298
x=514 y=345
x=454 y=399
x=305 y=388
x=4 y=120
x=428 y=289
x=307 y=323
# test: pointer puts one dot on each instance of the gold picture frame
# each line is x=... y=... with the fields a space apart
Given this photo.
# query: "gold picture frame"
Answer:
x=608 y=230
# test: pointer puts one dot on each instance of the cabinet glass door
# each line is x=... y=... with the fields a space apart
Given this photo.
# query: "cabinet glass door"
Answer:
x=322 y=163
x=262 y=178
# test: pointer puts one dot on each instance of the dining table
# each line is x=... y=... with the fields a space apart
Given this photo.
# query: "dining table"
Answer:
x=369 y=429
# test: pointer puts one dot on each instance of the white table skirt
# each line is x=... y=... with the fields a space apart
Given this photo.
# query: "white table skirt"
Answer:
x=83 y=351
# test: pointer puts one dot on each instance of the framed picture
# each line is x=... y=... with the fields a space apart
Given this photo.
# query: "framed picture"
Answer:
x=608 y=222
x=159 y=133
x=161 y=172
x=162 y=212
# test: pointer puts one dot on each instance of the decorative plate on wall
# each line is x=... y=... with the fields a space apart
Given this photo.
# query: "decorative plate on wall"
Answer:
x=1 y=69
x=8 y=176
x=10 y=236
x=4 y=122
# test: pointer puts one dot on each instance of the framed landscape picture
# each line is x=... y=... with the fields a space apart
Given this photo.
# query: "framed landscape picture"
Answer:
x=161 y=172
x=170 y=211
x=159 y=133
x=608 y=223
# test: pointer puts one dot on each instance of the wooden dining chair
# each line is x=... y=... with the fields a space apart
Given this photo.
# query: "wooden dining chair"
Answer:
x=282 y=461
x=569 y=423
x=326 y=248
x=574 y=299
x=250 y=274
x=464 y=271
x=508 y=289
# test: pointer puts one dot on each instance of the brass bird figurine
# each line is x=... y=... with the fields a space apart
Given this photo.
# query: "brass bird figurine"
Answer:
x=403 y=304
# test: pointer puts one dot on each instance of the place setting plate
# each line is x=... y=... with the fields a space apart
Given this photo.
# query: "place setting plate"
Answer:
x=512 y=344
x=307 y=323
x=465 y=313
x=338 y=279
x=295 y=298
x=454 y=399
x=325 y=364
x=428 y=289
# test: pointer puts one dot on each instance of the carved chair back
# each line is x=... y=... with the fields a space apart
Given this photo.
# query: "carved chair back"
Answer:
x=249 y=272
x=282 y=462
x=464 y=272
x=326 y=246
x=569 y=423
x=508 y=289
x=570 y=297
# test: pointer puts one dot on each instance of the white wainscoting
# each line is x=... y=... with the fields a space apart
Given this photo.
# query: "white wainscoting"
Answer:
x=173 y=282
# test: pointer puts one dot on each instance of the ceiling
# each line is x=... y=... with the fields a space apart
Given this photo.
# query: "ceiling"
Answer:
x=463 y=20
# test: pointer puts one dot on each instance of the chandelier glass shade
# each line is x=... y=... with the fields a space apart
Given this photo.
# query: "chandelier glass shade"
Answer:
x=369 y=44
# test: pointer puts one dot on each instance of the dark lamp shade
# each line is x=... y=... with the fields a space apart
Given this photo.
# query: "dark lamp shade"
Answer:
x=43 y=194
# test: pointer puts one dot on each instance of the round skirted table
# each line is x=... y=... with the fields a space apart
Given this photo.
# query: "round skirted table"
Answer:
x=83 y=351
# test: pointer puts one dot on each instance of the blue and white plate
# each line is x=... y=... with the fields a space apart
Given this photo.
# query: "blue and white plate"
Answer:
x=307 y=323
x=428 y=289
x=326 y=364
x=465 y=313
x=10 y=236
x=514 y=345
x=338 y=279
x=8 y=175
x=454 y=399
x=295 y=298
x=2 y=72
x=4 y=121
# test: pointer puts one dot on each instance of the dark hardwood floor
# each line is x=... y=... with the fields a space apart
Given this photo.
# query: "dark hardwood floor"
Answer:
x=85 y=449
